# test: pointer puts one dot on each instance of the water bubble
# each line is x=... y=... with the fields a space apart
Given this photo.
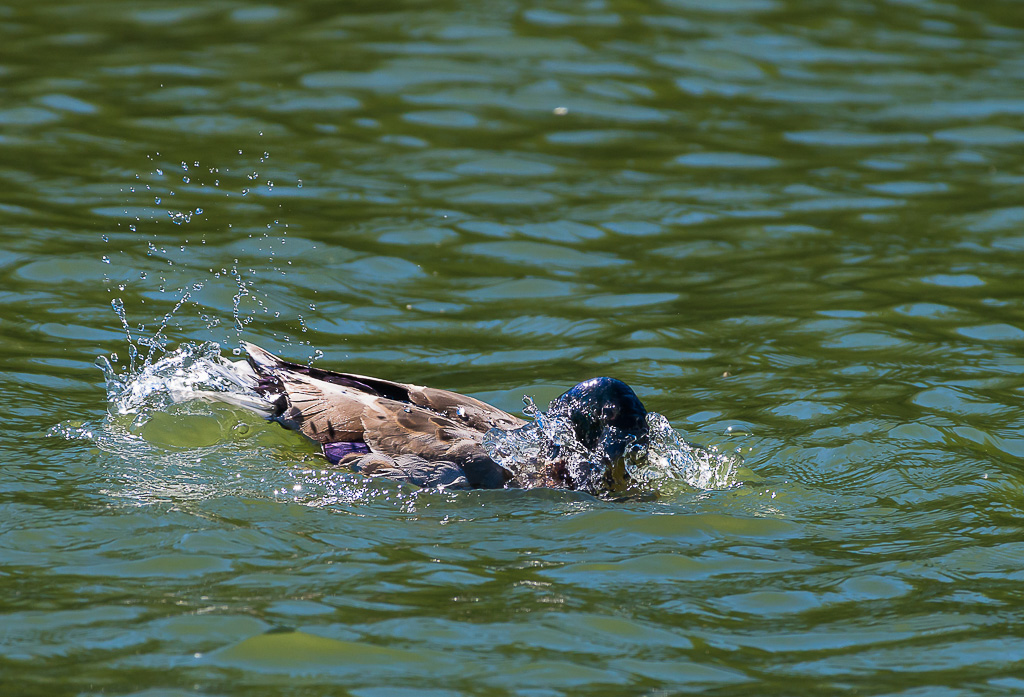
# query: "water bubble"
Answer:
x=157 y=199
x=186 y=180
x=300 y=183
x=105 y=259
x=104 y=238
x=198 y=211
x=160 y=172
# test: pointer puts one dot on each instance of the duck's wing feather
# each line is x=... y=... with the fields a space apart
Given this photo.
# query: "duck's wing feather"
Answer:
x=463 y=410
x=412 y=469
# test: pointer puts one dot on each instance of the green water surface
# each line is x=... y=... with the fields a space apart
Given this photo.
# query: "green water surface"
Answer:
x=795 y=227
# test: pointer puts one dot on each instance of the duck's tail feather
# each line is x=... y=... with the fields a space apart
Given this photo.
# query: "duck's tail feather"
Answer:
x=259 y=359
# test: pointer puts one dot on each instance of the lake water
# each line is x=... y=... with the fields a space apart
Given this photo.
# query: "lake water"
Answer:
x=795 y=228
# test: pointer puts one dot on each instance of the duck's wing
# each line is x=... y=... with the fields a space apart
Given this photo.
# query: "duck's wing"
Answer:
x=389 y=418
x=467 y=411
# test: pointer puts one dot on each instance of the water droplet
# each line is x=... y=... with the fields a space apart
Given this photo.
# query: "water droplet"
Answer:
x=160 y=172
x=104 y=238
x=300 y=183
x=105 y=259
x=157 y=199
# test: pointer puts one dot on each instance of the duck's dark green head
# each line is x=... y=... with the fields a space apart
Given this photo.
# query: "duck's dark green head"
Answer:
x=610 y=421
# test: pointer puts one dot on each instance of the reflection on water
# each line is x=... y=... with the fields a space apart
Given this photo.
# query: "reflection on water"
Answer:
x=793 y=228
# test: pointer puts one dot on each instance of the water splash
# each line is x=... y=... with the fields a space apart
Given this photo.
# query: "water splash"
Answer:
x=190 y=372
x=118 y=305
x=668 y=458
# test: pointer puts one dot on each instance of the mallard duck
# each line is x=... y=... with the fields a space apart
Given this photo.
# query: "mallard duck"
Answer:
x=434 y=438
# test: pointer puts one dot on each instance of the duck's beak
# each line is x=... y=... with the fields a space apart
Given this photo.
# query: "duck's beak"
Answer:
x=619 y=449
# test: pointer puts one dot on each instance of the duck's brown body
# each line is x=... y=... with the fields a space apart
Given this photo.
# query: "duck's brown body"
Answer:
x=421 y=435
